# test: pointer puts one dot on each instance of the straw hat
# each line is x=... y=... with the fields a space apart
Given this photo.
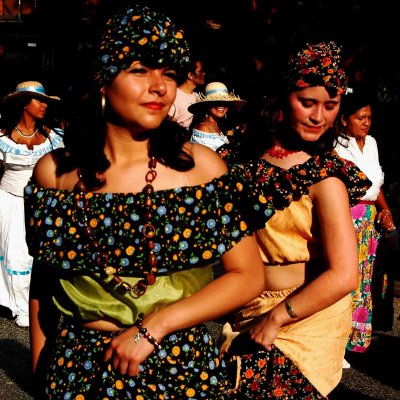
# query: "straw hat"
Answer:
x=29 y=89
x=216 y=92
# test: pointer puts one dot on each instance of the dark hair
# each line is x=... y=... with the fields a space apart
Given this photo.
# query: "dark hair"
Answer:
x=357 y=98
x=84 y=142
x=183 y=73
x=11 y=115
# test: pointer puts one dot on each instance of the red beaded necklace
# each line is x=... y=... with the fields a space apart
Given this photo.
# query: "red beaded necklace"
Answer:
x=108 y=273
x=277 y=151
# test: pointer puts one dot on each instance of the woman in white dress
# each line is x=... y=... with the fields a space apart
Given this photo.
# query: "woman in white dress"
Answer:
x=24 y=138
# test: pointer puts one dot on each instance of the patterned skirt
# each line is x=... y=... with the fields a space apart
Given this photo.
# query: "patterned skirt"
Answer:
x=187 y=367
x=368 y=238
x=269 y=375
x=305 y=362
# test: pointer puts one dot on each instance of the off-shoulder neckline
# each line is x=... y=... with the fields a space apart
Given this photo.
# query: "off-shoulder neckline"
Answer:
x=179 y=189
x=292 y=168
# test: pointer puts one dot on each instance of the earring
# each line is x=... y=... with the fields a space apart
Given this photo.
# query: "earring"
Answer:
x=103 y=104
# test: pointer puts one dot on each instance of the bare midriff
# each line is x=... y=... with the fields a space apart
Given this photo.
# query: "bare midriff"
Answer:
x=103 y=325
x=283 y=276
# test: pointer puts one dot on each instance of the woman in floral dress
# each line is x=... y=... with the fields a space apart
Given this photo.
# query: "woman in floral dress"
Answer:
x=290 y=341
x=124 y=225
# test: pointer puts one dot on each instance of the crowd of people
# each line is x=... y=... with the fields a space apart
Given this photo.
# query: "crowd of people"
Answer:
x=125 y=208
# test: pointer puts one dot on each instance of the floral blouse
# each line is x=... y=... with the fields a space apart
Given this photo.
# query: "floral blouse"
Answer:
x=302 y=176
x=194 y=225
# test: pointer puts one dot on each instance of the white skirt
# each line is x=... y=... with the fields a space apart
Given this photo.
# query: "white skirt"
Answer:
x=15 y=261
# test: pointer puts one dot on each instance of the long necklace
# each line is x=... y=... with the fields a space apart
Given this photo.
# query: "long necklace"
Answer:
x=149 y=232
x=25 y=135
x=277 y=151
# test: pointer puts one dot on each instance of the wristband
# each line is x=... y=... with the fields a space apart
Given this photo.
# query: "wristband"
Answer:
x=289 y=309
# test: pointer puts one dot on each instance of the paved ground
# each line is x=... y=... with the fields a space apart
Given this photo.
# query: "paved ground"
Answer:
x=374 y=375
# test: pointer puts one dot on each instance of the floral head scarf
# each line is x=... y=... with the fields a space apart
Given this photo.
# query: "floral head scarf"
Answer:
x=139 y=34
x=317 y=65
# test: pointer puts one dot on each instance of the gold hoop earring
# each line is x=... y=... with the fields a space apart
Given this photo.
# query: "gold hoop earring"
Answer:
x=103 y=104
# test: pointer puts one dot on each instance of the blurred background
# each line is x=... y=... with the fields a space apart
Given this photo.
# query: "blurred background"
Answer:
x=243 y=43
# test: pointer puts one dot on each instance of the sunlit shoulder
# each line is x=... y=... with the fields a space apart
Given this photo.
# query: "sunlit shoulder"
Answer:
x=208 y=164
x=44 y=173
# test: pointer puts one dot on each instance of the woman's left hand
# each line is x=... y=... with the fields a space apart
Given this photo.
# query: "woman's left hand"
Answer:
x=385 y=219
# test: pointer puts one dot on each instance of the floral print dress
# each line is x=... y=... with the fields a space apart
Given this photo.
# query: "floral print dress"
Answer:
x=194 y=227
x=368 y=237
x=258 y=373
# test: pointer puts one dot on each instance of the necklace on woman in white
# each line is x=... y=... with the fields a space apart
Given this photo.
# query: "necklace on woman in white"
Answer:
x=29 y=135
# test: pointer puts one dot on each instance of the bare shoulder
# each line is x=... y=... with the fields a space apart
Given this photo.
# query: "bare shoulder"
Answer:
x=44 y=173
x=329 y=191
x=208 y=163
x=204 y=127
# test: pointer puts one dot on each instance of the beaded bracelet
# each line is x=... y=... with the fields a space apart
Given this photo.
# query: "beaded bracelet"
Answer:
x=144 y=333
x=139 y=321
x=149 y=338
x=387 y=211
x=289 y=309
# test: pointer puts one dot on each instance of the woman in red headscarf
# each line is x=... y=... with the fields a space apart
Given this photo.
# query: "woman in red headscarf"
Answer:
x=292 y=338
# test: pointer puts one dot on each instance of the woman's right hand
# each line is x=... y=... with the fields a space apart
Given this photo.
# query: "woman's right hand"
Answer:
x=266 y=331
x=125 y=354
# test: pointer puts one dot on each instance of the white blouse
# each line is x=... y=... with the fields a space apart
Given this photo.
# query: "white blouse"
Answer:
x=367 y=160
x=19 y=160
x=211 y=140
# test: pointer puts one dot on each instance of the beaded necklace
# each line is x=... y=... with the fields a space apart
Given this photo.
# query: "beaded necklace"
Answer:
x=108 y=274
